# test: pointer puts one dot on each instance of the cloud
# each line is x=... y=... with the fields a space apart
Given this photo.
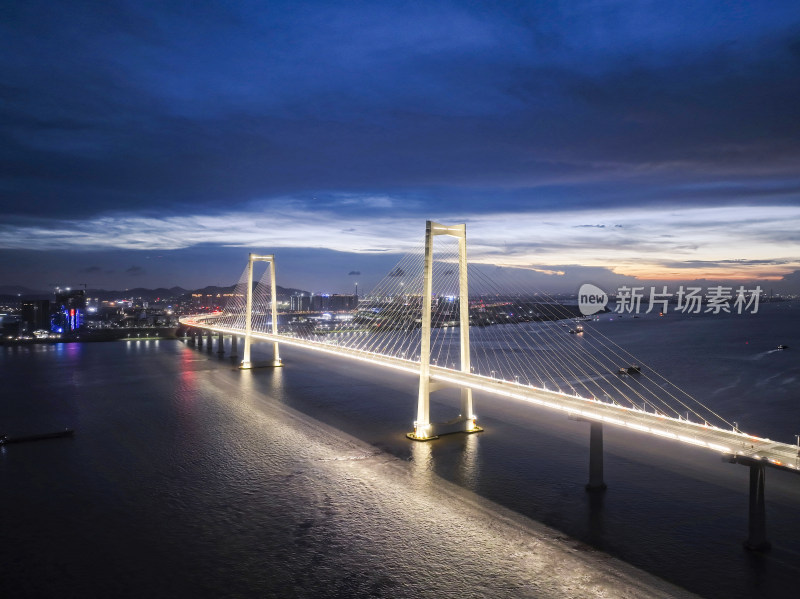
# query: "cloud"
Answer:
x=544 y=271
x=790 y=282
x=504 y=110
x=725 y=263
x=364 y=201
x=354 y=272
x=396 y=272
x=529 y=121
x=756 y=240
x=91 y=269
x=135 y=271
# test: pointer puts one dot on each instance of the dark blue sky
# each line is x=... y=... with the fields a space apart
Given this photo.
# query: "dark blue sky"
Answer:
x=653 y=139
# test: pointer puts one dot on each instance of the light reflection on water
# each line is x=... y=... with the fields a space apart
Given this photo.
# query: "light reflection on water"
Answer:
x=422 y=462
x=468 y=470
x=276 y=382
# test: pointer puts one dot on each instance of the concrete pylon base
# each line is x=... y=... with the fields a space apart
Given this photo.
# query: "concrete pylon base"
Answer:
x=253 y=366
x=413 y=437
x=436 y=430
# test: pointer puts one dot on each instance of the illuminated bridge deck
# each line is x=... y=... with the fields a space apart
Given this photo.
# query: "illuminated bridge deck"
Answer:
x=730 y=443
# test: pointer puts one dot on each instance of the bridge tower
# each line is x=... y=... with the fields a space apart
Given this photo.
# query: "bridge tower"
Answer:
x=424 y=429
x=276 y=358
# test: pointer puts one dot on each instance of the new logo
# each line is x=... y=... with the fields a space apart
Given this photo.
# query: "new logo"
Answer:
x=591 y=299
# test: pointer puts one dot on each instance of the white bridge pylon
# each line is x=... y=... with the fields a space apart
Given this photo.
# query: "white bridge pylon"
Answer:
x=248 y=334
x=424 y=430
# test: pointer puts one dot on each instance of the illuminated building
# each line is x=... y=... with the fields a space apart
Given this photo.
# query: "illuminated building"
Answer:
x=334 y=302
x=300 y=303
x=36 y=314
x=70 y=307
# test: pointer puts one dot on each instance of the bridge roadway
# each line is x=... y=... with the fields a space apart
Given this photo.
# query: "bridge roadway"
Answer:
x=733 y=445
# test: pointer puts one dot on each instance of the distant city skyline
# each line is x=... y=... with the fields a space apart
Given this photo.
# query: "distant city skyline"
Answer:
x=155 y=145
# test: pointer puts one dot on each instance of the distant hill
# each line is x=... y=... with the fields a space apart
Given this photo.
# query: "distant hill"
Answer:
x=283 y=292
x=142 y=292
x=20 y=290
x=28 y=293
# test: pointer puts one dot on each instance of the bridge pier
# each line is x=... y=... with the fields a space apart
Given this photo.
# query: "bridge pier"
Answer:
x=199 y=340
x=596 y=482
x=757 y=521
x=210 y=341
x=234 y=346
x=276 y=355
x=756 y=513
x=220 y=344
x=190 y=338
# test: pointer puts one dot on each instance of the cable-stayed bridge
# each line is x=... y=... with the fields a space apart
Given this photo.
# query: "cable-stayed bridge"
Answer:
x=477 y=329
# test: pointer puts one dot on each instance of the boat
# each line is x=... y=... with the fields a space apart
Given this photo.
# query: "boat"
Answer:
x=782 y=346
x=632 y=369
x=5 y=439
